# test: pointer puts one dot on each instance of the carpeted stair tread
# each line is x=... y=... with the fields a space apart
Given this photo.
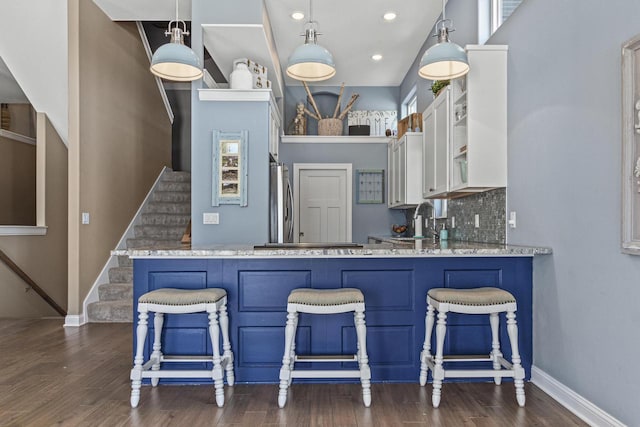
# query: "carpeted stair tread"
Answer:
x=173 y=186
x=172 y=196
x=121 y=274
x=165 y=219
x=125 y=261
x=111 y=311
x=116 y=291
x=163 y=232
x=152 y=243
x=168 y=208
x=177 y=176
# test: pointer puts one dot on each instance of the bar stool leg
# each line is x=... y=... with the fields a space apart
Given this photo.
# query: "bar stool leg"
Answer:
x=363 y=359
x=426 y=348
x=216 y=373
x=136 y=372
x=158 y=321
x=226 y=344
x=293 y=347
x=518 y=379
x=285 y=371
x=438 y=372
x=496 y=354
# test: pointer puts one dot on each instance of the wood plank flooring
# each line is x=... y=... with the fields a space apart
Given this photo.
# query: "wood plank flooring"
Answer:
x=50 y=375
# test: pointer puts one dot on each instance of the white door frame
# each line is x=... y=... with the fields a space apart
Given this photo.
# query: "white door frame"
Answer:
x=297 y=167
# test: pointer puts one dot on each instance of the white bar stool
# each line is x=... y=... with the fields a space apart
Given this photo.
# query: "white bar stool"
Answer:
x=325 y=301
x=182 y=301
x=491 y=301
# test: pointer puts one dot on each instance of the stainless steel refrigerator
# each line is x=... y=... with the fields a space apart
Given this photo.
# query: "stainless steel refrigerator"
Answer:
x=280 y=204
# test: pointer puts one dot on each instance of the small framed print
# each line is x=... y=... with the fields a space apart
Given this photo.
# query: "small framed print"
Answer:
x=230 y=170
x=370 y=186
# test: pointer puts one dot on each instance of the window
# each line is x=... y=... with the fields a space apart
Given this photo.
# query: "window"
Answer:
x=410 y=104
x=500 y=11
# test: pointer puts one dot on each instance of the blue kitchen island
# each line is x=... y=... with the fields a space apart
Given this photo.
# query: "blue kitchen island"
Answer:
x=394 y=281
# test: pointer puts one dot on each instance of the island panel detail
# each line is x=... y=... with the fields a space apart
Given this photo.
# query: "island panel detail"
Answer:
x=395 y=296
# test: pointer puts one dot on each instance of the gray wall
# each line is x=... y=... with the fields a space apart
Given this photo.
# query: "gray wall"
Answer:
x=368 y=219
x=227 y=116
x=564 y=184
x=248 y=224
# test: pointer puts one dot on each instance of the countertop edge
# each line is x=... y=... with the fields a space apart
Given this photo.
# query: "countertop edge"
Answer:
x=463 y=249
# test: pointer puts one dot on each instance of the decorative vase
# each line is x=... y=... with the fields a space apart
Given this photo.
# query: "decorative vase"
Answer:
x=241 y=77
x=330 y=127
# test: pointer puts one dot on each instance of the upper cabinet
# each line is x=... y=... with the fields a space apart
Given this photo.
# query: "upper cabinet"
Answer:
x=405 y=171
x=435 y=149
x=465 y=133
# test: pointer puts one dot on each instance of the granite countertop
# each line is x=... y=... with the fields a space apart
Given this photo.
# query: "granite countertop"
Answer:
x=388 y=248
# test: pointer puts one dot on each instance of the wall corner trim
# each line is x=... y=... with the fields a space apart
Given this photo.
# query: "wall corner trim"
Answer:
x=74 y=320
x=581 y=407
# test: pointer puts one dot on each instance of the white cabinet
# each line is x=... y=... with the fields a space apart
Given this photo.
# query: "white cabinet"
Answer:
x=470 y=120
x=479 y=126
x=435 y=149
x=274 y=130
x=405 y=171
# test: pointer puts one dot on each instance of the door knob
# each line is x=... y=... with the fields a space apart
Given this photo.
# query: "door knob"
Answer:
x=301 y=233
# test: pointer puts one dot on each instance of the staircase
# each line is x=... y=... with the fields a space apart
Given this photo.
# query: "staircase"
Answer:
x=162 y=224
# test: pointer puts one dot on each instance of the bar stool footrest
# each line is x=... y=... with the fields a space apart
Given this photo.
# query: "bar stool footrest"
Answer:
x=326 y=374
x=327 y=358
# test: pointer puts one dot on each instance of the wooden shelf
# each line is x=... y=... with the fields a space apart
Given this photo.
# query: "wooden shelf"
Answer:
x=343 y=139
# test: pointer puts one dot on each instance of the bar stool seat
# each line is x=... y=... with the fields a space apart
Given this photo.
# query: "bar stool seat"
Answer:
x=325 y=301
x=182 y=301
x=486 y=300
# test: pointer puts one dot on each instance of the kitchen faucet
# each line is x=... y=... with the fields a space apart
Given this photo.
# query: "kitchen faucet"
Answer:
x=417 y=219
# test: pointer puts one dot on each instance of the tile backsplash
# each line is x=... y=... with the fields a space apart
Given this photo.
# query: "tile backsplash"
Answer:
x=489 y=205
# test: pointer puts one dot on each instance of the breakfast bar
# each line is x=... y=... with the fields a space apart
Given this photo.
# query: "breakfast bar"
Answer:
x=393 y=278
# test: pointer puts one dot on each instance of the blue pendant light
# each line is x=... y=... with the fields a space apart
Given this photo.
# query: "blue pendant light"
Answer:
x=444 y=60
x=311 y=62
x=175 y=61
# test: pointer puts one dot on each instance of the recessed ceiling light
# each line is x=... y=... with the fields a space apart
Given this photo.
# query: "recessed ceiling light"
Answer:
x=376 y=57
x=298 y=16
x=389 y=16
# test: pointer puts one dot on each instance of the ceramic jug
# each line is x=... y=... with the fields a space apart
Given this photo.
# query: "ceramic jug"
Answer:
x=241 y=77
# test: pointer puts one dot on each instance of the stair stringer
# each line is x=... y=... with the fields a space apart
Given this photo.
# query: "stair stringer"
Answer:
x=103 y=277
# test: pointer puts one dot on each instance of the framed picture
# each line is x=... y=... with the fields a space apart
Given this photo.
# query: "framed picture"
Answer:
x=370 y=186
x=631 y=146
x=230 y=169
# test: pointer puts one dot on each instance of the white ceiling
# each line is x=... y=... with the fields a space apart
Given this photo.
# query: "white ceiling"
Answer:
x=352 y=31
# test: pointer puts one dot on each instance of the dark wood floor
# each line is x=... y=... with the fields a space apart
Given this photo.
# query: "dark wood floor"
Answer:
x=50 y=375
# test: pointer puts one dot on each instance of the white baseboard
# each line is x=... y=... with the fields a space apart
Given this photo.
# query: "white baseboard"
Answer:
x=74 y=320
x=581 y=407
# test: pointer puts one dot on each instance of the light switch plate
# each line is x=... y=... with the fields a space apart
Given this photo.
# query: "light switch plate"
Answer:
x=512 y=219
x=85 y=217
x=211 y=218
x=477 y=221
x=453 y=222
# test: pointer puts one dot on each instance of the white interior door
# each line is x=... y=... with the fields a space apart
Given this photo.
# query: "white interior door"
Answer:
x=322 y=202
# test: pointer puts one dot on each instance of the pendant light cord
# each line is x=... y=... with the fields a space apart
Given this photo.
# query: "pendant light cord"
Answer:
x=310 y=10
x=443 y=18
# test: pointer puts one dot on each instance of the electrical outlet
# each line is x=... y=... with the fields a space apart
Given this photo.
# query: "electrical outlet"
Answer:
x=477 y=221
x=85 y=217
x=453 y=222
x=211 y=218
x=512 y=219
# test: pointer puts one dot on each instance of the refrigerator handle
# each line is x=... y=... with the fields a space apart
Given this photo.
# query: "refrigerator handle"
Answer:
x=290 y=211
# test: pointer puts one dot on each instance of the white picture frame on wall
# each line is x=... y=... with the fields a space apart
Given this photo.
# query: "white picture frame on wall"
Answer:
x=631 y=146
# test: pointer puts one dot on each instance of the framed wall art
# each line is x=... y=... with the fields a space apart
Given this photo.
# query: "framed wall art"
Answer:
x=631 y=146
x=230 y=168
